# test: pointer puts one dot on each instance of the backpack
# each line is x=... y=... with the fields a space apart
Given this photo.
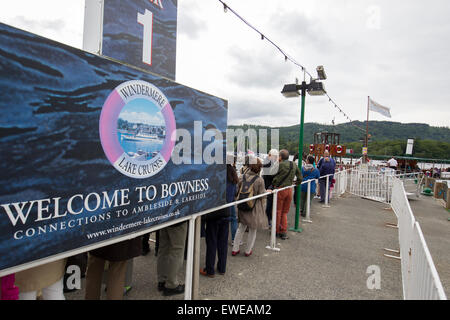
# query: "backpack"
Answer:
x=245 y=192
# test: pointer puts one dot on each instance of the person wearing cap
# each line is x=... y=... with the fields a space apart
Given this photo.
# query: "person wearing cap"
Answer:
x=270 y=169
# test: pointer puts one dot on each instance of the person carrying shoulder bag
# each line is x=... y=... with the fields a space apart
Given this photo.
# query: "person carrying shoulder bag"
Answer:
x=287 y=170
x=251 y=213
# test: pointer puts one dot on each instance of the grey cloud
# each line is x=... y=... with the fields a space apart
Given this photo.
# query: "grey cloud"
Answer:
x=32 y=24
x=190 y=23
x=257 y=111
x=257 y=69
x=296 y=27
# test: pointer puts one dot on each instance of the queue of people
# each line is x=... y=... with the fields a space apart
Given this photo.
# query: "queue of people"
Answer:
x=256 y=177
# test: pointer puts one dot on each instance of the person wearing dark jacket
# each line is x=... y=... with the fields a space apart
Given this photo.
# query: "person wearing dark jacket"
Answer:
x=326 y=166
x=270 y=169
x=217 y=230
x=117 y=255
x=232 y=181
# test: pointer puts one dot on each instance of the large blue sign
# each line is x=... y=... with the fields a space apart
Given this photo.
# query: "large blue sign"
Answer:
x=88 y=148
x=142 y=33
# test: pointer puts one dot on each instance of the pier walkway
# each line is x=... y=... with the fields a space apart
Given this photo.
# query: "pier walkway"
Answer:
x=328 y=260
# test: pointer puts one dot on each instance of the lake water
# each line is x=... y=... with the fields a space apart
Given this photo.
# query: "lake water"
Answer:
x=145 y=145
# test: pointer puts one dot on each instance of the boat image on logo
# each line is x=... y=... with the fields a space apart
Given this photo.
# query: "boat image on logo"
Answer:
x=136 y=126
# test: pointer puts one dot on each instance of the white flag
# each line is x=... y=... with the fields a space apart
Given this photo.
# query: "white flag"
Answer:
x=385 y=111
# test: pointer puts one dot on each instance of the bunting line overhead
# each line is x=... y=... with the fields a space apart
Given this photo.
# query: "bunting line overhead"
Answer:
x=287 y=57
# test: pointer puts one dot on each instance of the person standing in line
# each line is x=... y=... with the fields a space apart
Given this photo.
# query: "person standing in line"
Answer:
x=232 y=181
x=172 y=241
x=245 y=166
x=8 y=290
x=326 y=166
x=217 y=230
x=270 y=169
x=256 y=217
x=392 y=163
x=285 y=177
x=118 y=256
x=308 y=173
x=47 y=277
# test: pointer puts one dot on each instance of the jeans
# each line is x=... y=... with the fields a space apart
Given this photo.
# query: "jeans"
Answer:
x=233 y=221
x=216 y=243
x=269 y=207
x=323 y=187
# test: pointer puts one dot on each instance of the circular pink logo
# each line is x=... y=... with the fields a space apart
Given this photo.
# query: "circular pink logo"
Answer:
x=137 y=129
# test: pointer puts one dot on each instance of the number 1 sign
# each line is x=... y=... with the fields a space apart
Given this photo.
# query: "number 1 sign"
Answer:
x=138 y=32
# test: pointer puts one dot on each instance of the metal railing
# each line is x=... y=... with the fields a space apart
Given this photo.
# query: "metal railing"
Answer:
x=377 y=185
x=272 y=244
x=419 y=275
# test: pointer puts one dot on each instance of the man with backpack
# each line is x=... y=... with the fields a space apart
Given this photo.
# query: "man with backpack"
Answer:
x=287 y=170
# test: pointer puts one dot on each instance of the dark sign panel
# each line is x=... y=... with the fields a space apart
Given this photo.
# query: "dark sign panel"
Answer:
x=88 y=148
x=142 y=33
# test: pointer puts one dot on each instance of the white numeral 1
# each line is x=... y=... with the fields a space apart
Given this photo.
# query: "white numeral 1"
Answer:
x=146 y=20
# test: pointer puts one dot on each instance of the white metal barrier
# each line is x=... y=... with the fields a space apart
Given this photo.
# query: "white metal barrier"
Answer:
x=419 y=275
x=372 y=185
x=341 y=183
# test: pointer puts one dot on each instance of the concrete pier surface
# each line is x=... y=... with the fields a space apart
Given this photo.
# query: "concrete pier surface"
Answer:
x=329 y=259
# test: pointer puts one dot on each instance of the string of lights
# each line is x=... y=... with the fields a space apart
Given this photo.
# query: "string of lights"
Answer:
x=287 y=57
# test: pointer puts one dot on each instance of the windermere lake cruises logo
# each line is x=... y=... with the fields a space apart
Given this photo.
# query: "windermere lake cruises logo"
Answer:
x=137 y=129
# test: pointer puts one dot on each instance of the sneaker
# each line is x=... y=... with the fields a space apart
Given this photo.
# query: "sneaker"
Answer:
x=249 y=254
x=127 y=289
x=161 y=286
x=206 y=274
x=234 y=253
x=177 y=290
x=284 y=236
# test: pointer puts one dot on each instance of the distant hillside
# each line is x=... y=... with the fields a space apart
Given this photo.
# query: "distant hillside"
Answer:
x=435 y=141
x=380 y=131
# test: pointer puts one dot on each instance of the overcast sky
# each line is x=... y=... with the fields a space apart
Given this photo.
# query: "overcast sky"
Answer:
x=396 y=52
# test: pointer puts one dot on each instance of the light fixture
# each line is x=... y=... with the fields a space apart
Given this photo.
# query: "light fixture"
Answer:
x=290 y=90
x=316 y=88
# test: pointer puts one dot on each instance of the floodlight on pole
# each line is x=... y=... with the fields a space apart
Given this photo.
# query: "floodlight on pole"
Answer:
x=314 y=88
x=291 y=90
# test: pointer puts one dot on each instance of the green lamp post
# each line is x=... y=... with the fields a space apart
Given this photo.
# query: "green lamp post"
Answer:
x=314 y=88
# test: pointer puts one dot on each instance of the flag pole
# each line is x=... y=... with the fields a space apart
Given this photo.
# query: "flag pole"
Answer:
x=367 y=131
